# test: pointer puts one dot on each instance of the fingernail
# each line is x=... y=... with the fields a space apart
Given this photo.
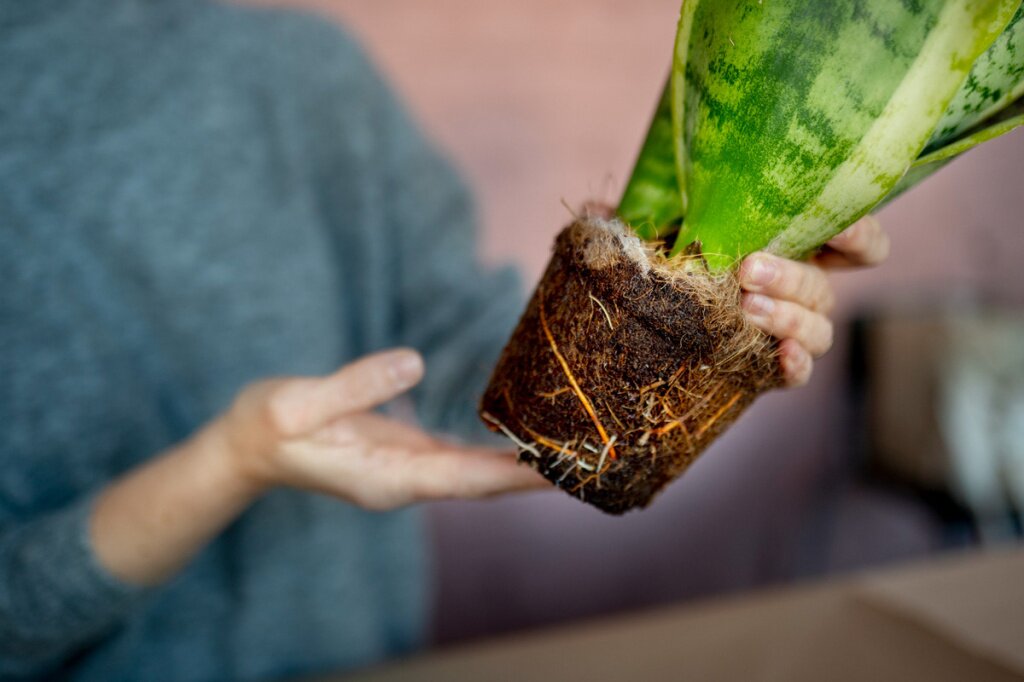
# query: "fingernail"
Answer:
x=758 y=305
x=760 y=272
x=407 y=369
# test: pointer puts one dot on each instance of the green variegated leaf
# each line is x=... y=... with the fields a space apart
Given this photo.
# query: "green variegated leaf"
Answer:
x=1008 y=119
x=996 y=79
x=792 y=119
x=652 y=204
x=989 y=104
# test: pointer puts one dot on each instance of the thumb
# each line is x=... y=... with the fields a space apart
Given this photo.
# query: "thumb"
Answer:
x=304 y=405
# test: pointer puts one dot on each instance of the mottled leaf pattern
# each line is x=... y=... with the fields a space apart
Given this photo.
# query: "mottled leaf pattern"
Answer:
x=790 y=120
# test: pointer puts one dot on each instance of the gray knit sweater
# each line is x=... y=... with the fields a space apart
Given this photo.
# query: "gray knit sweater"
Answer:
x=194 y=196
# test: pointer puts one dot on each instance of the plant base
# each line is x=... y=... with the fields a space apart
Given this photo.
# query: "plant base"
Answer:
x=624 y=367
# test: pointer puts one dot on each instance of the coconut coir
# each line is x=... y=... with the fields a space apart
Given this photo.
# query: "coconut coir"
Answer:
x=624 y=367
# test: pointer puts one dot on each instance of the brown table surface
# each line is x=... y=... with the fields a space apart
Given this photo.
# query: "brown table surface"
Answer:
x=955 y=618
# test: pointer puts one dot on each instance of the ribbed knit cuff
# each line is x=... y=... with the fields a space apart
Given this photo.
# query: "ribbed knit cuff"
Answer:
x=55 y=597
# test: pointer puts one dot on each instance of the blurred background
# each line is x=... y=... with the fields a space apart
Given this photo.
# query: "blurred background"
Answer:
x=906 y=443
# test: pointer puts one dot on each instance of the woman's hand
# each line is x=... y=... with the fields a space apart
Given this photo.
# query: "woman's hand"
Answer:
x=791 y=300
x=318 y=434
x=312 y=433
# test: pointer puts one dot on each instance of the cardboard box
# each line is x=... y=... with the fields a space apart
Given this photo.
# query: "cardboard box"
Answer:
x=957 y=618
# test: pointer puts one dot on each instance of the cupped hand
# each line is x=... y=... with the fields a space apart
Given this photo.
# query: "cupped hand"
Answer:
x=791 y=300
x=319 y=434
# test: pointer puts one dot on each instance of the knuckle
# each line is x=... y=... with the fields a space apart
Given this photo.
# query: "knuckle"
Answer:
x=790 y=322
x=827 y=300
x=277 y=412
x=824 y=294
x=281 y=411
x=789 y=280
x=805 y=284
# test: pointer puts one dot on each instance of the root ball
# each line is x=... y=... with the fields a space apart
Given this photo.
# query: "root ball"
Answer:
x=624 y=367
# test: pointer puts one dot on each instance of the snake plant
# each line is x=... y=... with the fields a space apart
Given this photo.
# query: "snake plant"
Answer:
x=783 y=122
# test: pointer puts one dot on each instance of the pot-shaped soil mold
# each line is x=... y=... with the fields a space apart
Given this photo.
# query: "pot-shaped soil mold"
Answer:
x=624 y=367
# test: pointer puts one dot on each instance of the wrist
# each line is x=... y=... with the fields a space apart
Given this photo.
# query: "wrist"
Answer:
x=149 y=523
x=231 y=461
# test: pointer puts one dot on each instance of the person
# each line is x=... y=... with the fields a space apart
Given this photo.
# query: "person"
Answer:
x=206 y=210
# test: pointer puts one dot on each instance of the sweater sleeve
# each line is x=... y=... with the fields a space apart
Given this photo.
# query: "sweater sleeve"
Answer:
x=458 y=313
x=54 y=596
x=412 y=221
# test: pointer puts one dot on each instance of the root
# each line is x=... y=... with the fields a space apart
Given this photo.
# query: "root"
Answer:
x=651 y=387
x=554 y=394
x=570 y=209
x=677 y=422
x=614 y=416
x=602 y=466
x=603 y=310
x=718 y=415
x=527 y=447
x=668 y=428
x=561 y=448
x=686 y=435
x=564 y=453
x=675 y=362
x=584 y=400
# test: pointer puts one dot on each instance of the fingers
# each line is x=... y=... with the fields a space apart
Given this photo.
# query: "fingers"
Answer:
x=300 y=406
x=796 y=363
x=463 y=473
x=787 y=280
x=434 y=468
x=396 y=478
x=379 y=464
x=789 y=300
x=862 y=244
x=788 y=320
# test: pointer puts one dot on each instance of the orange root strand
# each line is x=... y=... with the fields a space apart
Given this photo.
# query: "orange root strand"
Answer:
x=554 y=394
x=718 y=415
x=584 y=400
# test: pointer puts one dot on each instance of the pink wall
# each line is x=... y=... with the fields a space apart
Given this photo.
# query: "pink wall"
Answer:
x=541 y=101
